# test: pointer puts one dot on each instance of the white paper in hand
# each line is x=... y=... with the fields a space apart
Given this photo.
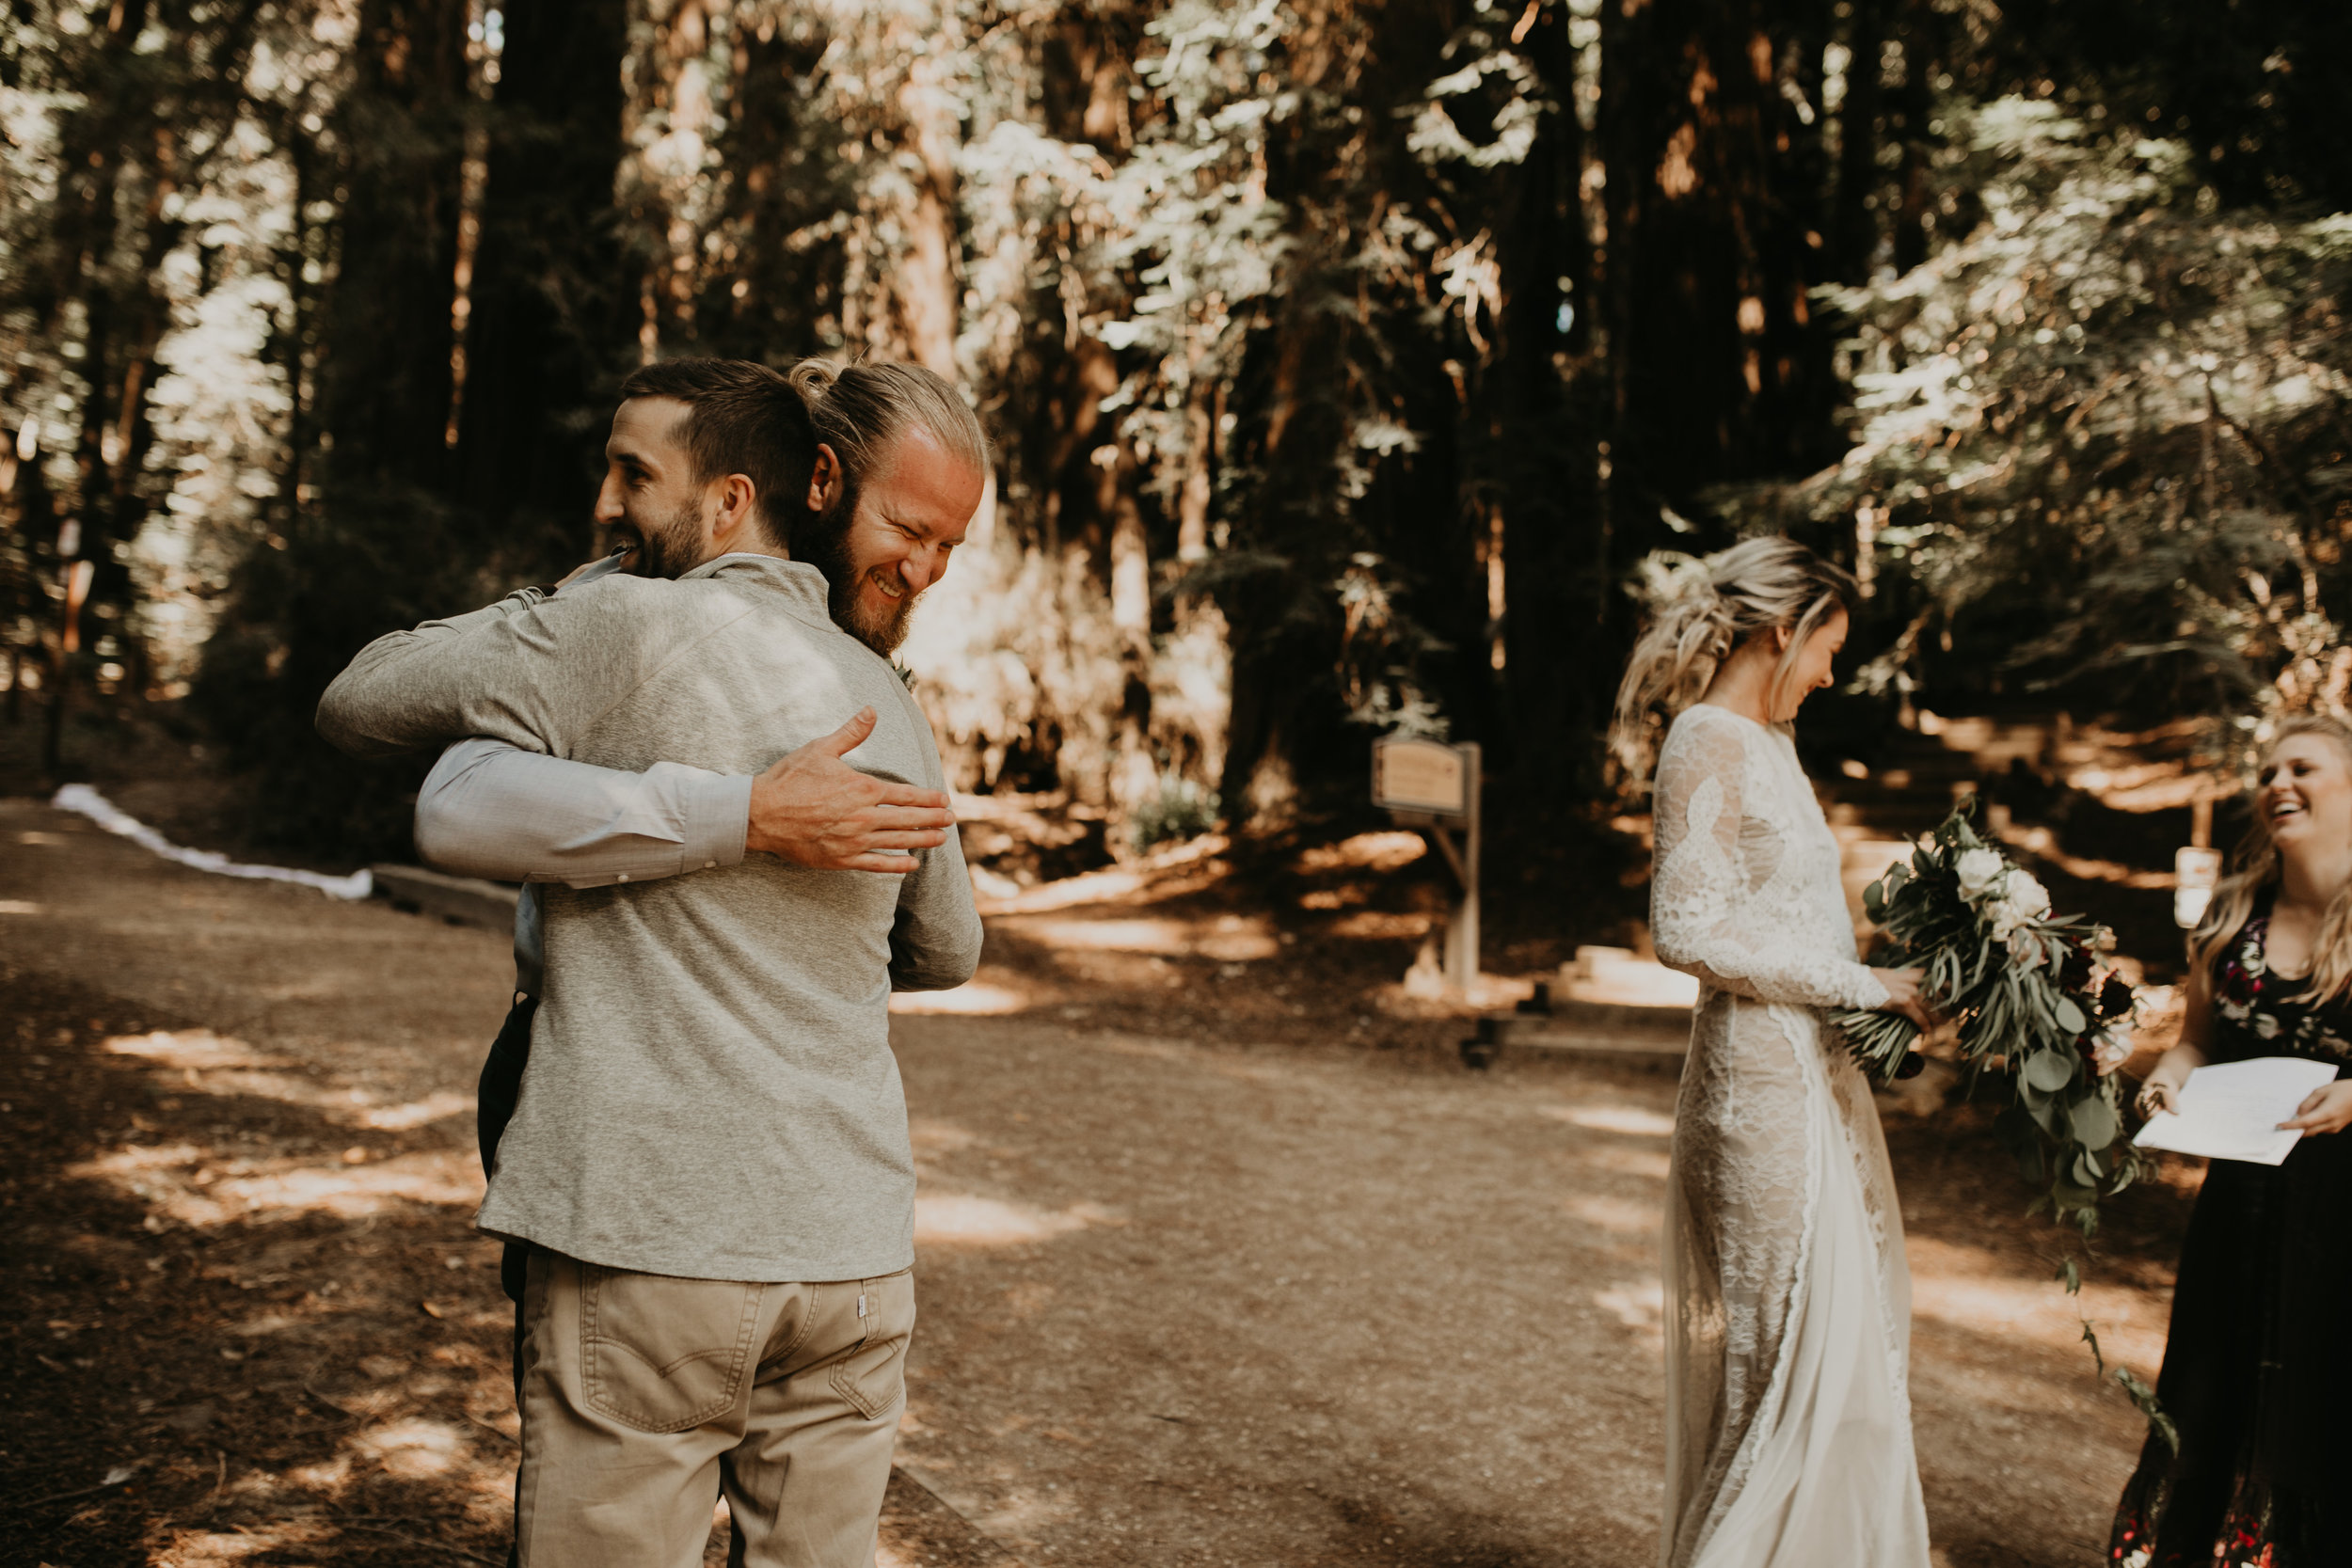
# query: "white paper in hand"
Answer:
x=2232 y=1111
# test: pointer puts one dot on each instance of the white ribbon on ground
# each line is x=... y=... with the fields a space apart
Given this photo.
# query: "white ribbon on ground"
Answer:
x=85 y=802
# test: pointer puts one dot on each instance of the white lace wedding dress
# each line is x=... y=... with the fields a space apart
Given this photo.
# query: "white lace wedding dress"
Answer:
x=1787 y=1298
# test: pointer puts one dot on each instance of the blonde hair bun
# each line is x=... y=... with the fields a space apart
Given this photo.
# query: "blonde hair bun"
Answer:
x=1701 y=609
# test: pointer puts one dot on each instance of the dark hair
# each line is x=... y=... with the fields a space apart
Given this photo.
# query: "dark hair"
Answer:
x=742 y=417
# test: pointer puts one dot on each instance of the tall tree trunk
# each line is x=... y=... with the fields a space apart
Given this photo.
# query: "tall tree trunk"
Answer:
x=549 y=331
x=372 y=542
x=1554 y=566
x=1854 y=231
x=923 y=287
x=385 y=384
x=1709 y=215
x=1913 y=104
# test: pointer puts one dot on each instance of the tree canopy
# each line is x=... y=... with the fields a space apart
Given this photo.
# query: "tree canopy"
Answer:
x=1343 y=359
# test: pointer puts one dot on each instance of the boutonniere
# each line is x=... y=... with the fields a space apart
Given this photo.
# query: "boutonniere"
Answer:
x=906 y=676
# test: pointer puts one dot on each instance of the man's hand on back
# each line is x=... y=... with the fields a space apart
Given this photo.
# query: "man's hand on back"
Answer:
x=814 y=810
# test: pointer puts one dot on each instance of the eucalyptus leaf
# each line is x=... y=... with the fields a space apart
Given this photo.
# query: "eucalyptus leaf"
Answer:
x=2095 y=1123
x=2048 y=1071
x=2049 y=1113
x=2070 y=1195
x=2070 y=1017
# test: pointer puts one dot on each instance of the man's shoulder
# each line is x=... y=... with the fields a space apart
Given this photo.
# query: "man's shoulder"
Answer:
x=651 y=610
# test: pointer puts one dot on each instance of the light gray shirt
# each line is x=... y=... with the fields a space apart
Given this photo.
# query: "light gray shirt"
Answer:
x=492 y=809
x=711 y=1092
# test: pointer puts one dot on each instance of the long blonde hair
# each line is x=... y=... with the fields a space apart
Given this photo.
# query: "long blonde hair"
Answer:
x=1704 y=612
x=2256 y=868
x=860 y=406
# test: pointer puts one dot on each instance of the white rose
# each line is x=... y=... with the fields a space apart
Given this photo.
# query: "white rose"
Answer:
x=1979 y=872
x=2027 y=894
x=2111 y=1050
x=2006 y=917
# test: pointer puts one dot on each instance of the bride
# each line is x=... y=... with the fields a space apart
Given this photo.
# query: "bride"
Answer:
x=1788 y=1417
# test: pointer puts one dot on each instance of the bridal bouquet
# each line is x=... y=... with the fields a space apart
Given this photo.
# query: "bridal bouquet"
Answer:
x=2031 y=1001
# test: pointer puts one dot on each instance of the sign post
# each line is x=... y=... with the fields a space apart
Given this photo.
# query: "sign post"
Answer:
x=2196 y=866
x=1435 y=787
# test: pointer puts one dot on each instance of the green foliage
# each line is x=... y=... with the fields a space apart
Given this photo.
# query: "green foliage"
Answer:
x=1333 y=353
x=2033 y=1008
x=2144 y=1398
x=2109 y=413
x=2028 y=1000
x=144 y=247
x=1183 y=809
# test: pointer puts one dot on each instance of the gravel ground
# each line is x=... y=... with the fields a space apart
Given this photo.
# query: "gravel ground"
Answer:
x=1185 y=1299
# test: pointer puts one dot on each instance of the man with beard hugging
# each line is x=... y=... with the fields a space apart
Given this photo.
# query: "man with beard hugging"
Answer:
x=730 y=813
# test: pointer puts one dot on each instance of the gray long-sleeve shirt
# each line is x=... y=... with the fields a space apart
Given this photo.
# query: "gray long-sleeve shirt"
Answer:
x=492 y=809
x=711 y=1092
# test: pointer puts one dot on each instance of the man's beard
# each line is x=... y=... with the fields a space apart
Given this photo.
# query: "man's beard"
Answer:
x=667 y=549
x=826 y=546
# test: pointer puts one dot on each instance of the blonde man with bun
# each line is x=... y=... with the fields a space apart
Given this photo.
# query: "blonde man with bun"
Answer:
x=2259 y=1305
x=1788 y=1297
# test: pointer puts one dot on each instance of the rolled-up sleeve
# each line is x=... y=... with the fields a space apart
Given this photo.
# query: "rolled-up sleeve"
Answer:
x=492 y=809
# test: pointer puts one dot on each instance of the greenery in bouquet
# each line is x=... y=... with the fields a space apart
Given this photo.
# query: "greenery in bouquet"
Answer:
x=2030 y=1001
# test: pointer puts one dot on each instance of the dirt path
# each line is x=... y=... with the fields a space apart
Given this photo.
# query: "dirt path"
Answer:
x=1182 y=1303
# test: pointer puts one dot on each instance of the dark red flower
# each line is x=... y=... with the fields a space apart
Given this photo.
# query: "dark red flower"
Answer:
x=2115 y=998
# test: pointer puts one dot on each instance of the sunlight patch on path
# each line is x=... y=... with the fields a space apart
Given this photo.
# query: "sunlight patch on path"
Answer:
x=414 y=1447
x=1099 y=887
x=1619 y=1216
x=1228 y=939
x=442 y=1178
x=968 y=1220
x=438 y=1106
x=214 y=1548
x=199 y=1050
x=974 y=998
x=1614 y=1118
x=1641 y=1306
x=150 y=1176
x=1968 y=1287
x=223 y=1064
x=1650 y=1163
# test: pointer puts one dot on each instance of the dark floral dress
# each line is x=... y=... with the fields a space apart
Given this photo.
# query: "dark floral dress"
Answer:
x=2251 y=1363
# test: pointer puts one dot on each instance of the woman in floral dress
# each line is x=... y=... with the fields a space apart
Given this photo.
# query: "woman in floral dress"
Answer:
x=2263 y=1474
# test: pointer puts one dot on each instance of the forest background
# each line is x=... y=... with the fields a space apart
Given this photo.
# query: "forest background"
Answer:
x=1348 y=363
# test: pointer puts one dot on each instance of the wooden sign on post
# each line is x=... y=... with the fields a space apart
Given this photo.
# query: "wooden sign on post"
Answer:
x=2196 y=872
x=1433 y=787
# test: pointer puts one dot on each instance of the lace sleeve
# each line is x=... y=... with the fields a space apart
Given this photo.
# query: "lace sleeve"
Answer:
x=1712 y=900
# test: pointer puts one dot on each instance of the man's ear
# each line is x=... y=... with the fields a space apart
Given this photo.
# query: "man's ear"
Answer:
x=825 y=480
x=738 y=500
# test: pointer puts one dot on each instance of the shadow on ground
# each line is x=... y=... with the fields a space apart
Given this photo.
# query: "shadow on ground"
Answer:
x=157 y=1368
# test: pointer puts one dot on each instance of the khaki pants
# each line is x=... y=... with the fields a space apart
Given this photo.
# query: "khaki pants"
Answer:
x=643 y=1395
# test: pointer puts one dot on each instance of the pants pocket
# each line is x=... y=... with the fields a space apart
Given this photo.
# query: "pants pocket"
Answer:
x=663 y=1355
x=873 y=1375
